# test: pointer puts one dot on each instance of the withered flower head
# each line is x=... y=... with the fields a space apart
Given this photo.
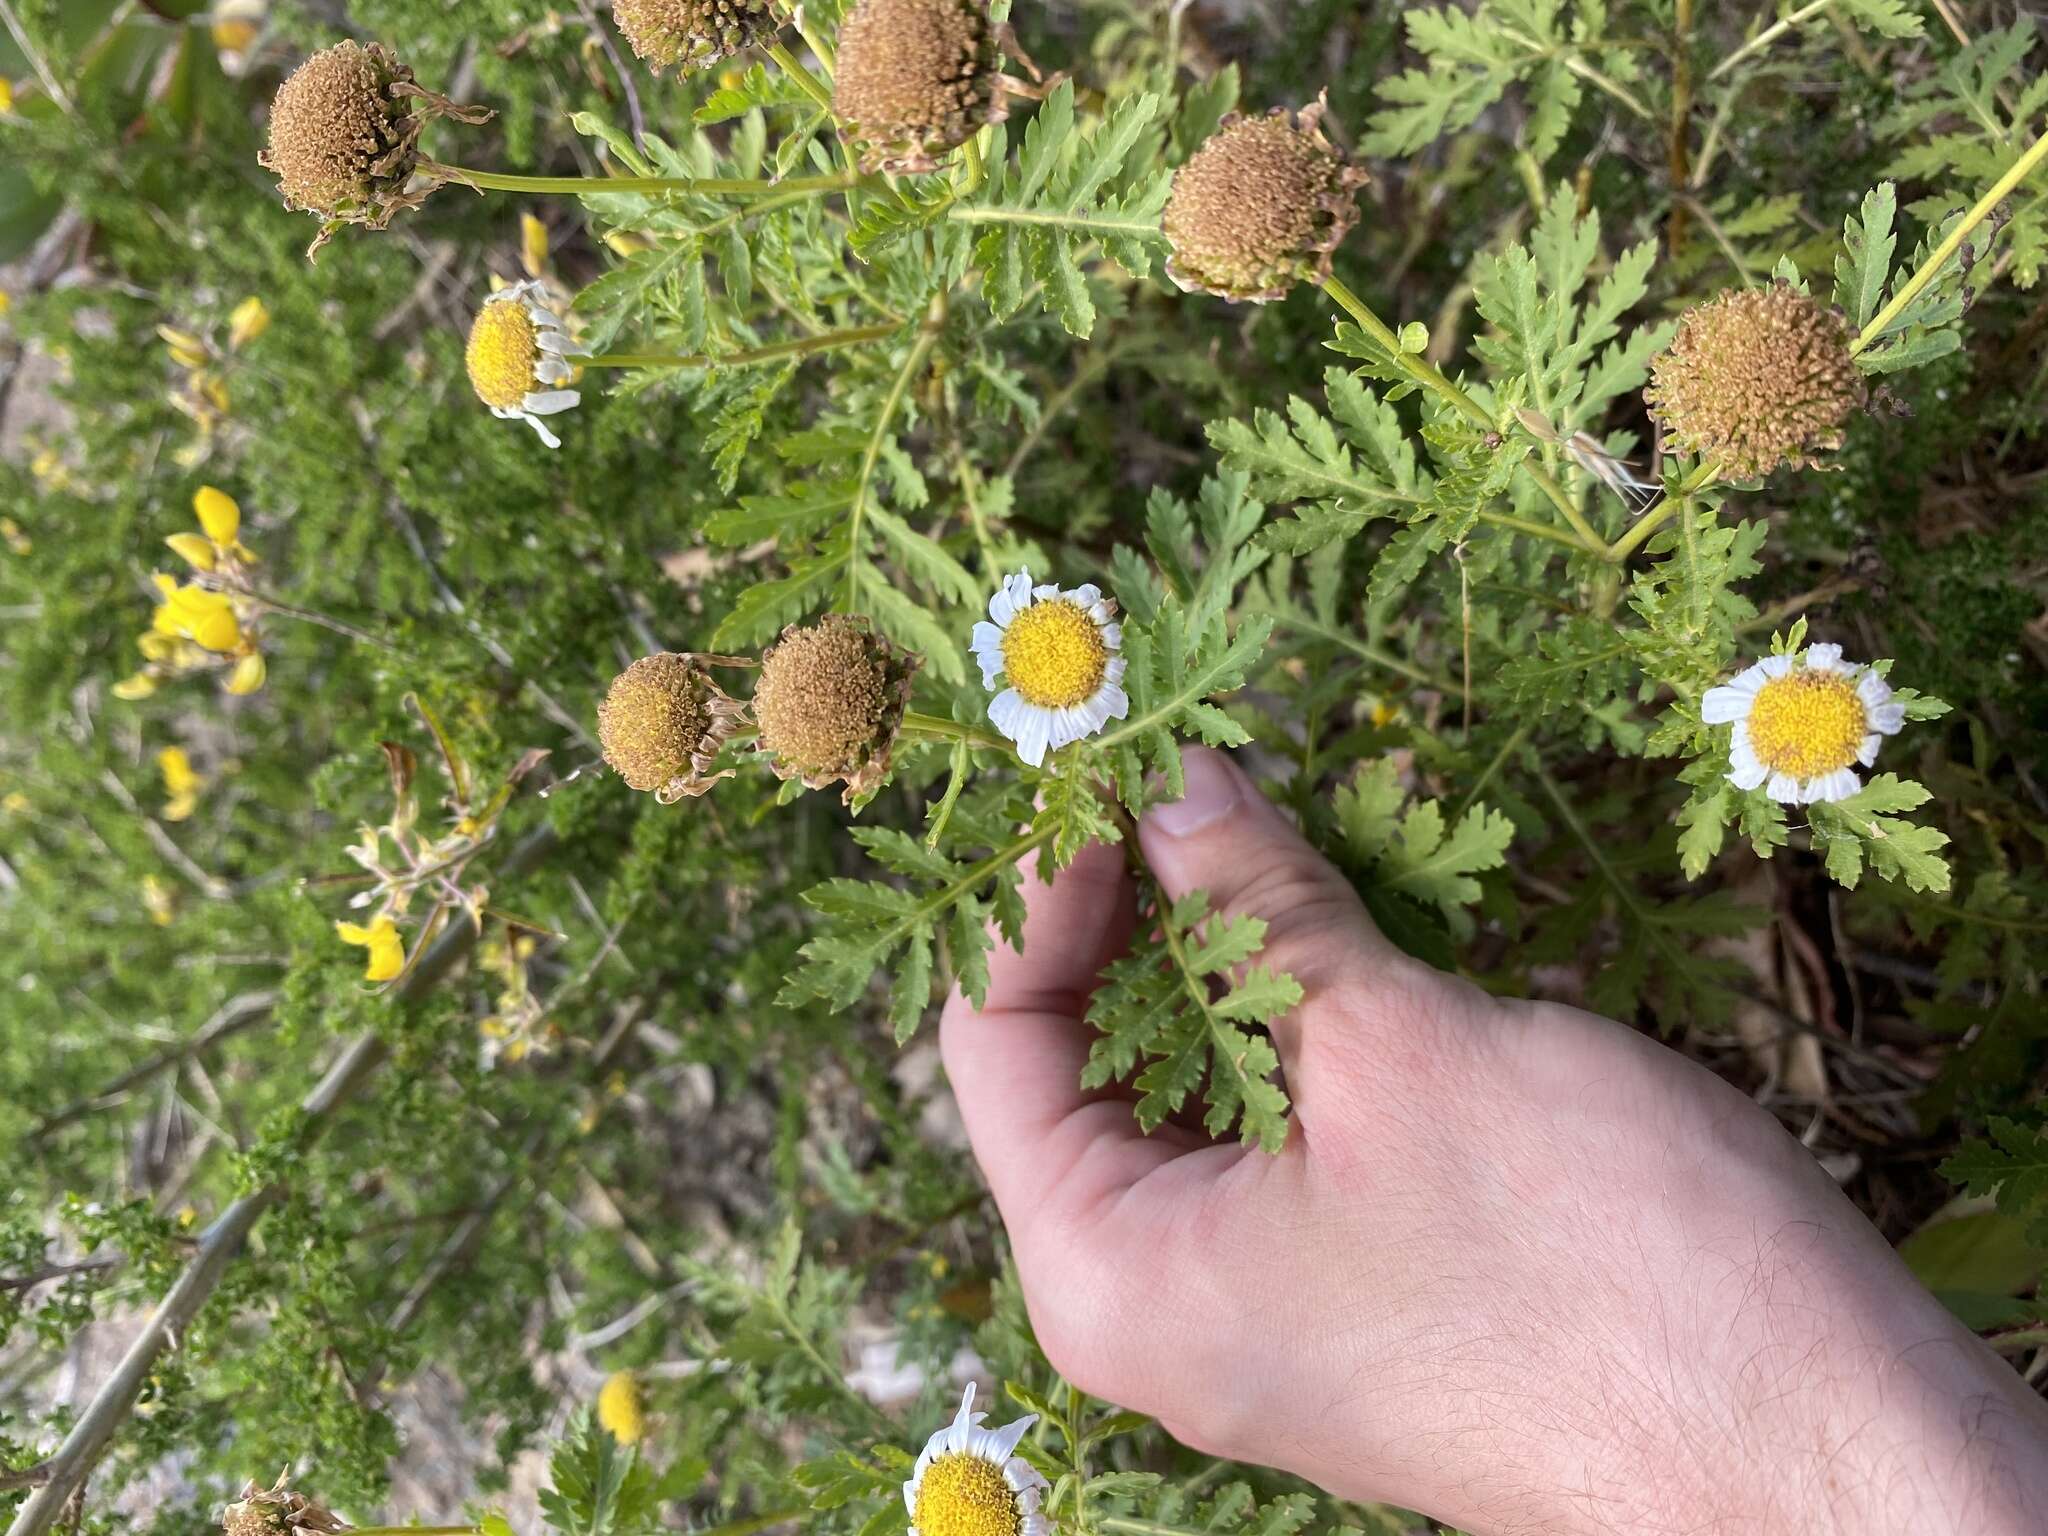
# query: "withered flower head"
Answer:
x=829 y=702
x=1756 y=378
x=344 y=134
x=276 y=1511
x=915 y=79
x=687 y=33
x=1263 y=202
x=662 y=722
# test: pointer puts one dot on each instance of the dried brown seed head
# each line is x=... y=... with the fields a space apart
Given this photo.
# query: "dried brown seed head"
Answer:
x=686 y=33
x=1262 y=202
x=915 y=79
x=829 y=702
x=662 y=722
x=1757 y=378
x=344 y=131
x=337 y=134
x=276 y=1511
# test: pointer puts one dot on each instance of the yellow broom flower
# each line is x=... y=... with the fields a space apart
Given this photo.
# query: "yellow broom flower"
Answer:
x=182 y=783
x=251 y=318
x=619 y=1410
x=384 y=942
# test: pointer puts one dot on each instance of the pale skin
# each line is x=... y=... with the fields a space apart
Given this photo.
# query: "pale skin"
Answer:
x=1517 y=1267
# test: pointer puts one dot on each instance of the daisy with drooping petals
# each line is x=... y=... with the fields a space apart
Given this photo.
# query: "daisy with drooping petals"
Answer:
x=1803 y=724
x=969 y=1481
x=1058 y=651
x=519 y=356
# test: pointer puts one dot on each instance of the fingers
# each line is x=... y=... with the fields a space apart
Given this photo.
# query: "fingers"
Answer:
x=1015 y=1064
x=1224 y=837
x=1227 y=839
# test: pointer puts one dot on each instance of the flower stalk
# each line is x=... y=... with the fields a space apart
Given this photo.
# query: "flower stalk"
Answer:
x=703 y=186
x=802 y=346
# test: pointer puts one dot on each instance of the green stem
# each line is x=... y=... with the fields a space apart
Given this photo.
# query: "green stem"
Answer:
x=932 y=728
x=795 y=1515
x=935 y=318
x=1769 y=35
x=1432 y=378
x=1931 y=267
x=802 y=346
x=1368 y=653
x=1583 y=70
x=415 y=1530
x=806 y=82
x=714 y=186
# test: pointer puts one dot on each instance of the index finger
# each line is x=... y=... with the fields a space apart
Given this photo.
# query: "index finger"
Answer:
x=1015 y=1063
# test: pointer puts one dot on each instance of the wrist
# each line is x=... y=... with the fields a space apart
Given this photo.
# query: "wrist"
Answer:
x=1845 y=1399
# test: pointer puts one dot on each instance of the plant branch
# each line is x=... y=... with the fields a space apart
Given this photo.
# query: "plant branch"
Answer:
x=116 y=1397
x=802 y=346
x=583 y=186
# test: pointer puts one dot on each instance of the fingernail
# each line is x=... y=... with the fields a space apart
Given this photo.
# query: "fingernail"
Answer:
x=1212 y=793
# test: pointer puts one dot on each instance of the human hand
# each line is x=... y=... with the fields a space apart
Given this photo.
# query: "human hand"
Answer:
x=1516 y=1267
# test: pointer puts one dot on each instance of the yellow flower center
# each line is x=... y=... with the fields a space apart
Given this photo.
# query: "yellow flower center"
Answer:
x=1807 y=723
x=1054 y=654
x=504 y=349
x=963 y=1495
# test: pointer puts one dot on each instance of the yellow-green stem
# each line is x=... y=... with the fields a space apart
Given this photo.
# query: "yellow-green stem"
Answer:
x=1432 y=378
x=932 y=728
x=802 y=346
x=1931 y=267
x=584 y=186
x=805 y=81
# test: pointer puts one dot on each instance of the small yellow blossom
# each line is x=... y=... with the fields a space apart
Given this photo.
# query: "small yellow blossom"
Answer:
x=6 y=105
x=195 y=551
x=158 y=901
x=194 y=613
x=15 y=803
x=218 y=514
x=384 y=942
x=187 y=350
x=236 y=24
x=618 y=1408
x=533 y=245
x=137 y=685
x=251 y=318
x=16 y=541
x=182 y=783
x=6 y=298
x=248 y=674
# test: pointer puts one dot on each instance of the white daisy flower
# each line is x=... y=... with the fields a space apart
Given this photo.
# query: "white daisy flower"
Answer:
x=1058 y=651
x=1803 y=723
x=969 y=1481
x=519 y=356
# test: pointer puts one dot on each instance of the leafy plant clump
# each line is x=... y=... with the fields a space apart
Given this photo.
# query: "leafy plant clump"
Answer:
x=518 y=714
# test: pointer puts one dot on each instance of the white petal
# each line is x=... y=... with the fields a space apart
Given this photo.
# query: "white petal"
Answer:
x=1113 y=636
x=1747 y=776
x=1824 y=658
x=552 y=370
x=1113 y=671
x=1034 y=734
x=541 y=428
x=986 y=637
x=559 y=343
x=1115 y=702
x=1002 y=1443
x=541 y=315
x=1045 y=592
x=1006 y=712
x=1718 y=706
x=547 y=402
x=1887 y=718
x=1839 y=785
x=1873 y=690
x=1087 y=594
x=1776 y=666
x=1784 y=789
x=1866 y=754
x=1104 y=611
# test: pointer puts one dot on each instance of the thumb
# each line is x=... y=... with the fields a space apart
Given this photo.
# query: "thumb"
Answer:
x=1226 y=838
